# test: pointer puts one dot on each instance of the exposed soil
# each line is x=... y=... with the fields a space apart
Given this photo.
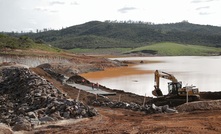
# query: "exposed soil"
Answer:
x=120 y=121
x=117 y=120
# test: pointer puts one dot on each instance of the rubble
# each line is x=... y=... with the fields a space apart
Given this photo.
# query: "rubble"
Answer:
x=48 y=68
x=148 y=109
x=163 y=109
x=27 y=100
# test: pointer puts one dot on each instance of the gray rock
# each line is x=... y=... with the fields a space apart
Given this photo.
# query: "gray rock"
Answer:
x=32 y=115
x=37 y=94
x=46 y=119
x=34 y=122
x=56 y=115
x=66 y=114
x=22 y=125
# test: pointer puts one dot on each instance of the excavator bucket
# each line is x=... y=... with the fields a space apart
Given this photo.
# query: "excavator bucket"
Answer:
x=154 y=92
x=157 y=92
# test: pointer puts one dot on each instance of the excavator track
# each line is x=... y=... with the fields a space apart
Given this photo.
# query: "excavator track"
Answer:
x=172 y=101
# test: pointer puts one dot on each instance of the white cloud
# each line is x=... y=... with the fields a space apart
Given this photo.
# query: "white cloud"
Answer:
x=204 y=13
x=196 y=1
x=40 y=9
x=74 y=3
x=126 y=9
x=57 y=3
x=201 y=1
x=45 y=9
x=205 y=7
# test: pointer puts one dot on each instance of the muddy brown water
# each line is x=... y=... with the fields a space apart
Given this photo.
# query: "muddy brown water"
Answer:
x=201 y=71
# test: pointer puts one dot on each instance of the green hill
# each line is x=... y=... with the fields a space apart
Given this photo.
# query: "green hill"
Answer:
x=23 y=42
x=175 y=49
x=96 y=34
x=99 y=36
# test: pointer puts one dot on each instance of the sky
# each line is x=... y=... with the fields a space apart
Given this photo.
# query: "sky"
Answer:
x=30 y=15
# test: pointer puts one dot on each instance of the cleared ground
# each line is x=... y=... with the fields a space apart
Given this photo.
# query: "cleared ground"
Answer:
x=122 y=121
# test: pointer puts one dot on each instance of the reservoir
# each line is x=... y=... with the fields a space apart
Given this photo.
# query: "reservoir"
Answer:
x=203 y=72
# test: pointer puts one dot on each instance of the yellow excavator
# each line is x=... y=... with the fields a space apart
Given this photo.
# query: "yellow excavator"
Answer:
x=175 y=89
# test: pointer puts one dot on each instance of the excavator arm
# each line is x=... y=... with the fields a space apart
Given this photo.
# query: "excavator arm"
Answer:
x=157 y=76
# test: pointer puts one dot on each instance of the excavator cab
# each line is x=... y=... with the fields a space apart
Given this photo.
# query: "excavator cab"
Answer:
x=173 y=87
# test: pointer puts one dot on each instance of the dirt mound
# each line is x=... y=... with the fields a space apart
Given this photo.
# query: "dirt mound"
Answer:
x=27 y=100
x=200 y=105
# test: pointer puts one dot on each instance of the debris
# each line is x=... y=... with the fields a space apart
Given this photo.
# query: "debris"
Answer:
x=148 y=109
x=163 y=109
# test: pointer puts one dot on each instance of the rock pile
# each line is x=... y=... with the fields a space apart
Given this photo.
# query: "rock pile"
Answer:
x=27 y=100
x=148 y=109
x=48 y=68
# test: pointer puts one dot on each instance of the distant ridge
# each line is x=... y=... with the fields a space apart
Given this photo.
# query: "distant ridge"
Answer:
x=96 y=34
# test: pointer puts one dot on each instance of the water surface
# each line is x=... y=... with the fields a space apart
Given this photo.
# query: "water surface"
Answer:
x=203 y=72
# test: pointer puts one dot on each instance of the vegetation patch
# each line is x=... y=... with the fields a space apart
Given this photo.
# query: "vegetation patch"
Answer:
x=175 y=49
x=24 y=43
x=106 y=51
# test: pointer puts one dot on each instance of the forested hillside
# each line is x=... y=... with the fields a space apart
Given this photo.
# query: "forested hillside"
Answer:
x=109 y=34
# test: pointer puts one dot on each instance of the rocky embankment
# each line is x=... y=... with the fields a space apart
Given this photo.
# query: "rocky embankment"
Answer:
x=32 y=61
x=67 y=65
x=27 y=100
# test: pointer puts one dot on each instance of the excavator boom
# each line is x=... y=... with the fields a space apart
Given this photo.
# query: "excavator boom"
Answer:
x=157 y=75
x=164 y=75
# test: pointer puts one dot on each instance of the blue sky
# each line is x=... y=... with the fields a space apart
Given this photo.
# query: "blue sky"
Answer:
x=26 y=15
